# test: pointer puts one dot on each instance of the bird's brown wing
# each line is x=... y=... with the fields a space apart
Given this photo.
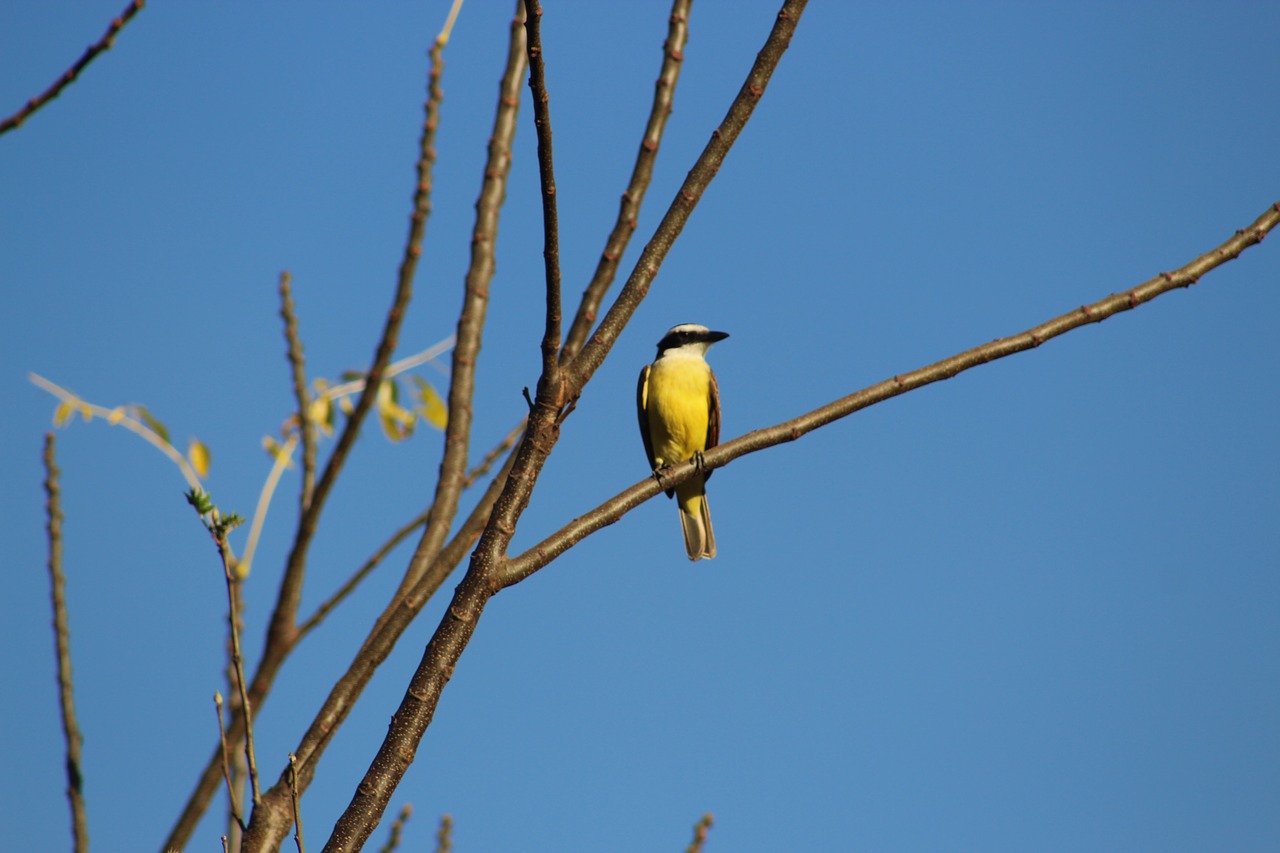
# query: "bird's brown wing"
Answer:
x=642 y=414
x=713 y=418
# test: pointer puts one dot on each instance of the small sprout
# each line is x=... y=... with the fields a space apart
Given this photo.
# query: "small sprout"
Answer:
x=199 y=499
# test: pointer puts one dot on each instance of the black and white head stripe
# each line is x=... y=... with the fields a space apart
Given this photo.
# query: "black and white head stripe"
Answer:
x=689 y=333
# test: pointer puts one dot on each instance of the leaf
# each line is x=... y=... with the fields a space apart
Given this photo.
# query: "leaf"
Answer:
x=200 y=499
x=397 y=421
x=116 y=415
x=320 y=413
x=156 y=427
x=431 y=406
x=199 y=457
x=63 y=413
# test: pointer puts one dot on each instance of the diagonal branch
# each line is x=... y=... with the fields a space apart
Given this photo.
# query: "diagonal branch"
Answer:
x=68 y=77
x=62 y=646
x=329 y=604
x=641 y=175
x=695 y=184
x=612 y=510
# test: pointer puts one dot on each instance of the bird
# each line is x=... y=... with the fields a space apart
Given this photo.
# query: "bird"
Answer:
x=678 y=405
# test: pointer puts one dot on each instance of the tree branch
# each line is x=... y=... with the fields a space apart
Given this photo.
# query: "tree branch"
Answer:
x=270 y=822
x=641 y=175
x=298 y=371
x=547 y=179
x=519 y=568
x=68 y=77
x=62 y=648
x=695 y=184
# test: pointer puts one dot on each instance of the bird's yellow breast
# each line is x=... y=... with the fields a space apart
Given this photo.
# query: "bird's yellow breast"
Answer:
x=677 y=406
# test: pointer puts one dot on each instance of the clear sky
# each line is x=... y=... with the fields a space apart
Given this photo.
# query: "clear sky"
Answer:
x=1031 y=608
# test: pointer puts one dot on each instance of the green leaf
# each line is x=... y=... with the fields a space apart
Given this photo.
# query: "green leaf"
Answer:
x=156 y=427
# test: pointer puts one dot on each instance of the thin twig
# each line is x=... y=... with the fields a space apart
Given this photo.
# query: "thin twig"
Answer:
x=297 y=810
x=298 y=370
x=700 y=830
x=540 y=555
x=119 y=416
x=68 y=77
x=226 y=763
x=397 y=830
x=444 y=837
x=547 y=179
x=237 y=661
x=641 y=175
x=62 y=649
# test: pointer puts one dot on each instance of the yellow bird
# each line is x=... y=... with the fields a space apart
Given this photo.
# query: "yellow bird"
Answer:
x=678 y=403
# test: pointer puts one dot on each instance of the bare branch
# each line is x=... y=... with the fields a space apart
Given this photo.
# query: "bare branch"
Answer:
x=641 y=175
x=547 y=178
x=400 y=535
x=297 y=364
x=297 y=809
x=68 y=77
x=444 y=838
x=234 y=801
x=700 y=830
x=388 y=629
x=519 y=568
x=397 y=829
x=62 y=648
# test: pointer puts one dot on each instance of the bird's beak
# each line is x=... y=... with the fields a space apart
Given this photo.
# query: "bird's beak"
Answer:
x=712 y=337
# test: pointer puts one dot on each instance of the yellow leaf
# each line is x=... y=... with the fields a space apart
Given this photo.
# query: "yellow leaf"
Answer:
x=63 y=413
x=320 y=413
x=116 y=415
x=430 y=405
x=86 y=412
x=199 y=457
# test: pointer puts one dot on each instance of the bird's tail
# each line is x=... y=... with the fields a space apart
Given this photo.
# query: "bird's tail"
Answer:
x=695 y=519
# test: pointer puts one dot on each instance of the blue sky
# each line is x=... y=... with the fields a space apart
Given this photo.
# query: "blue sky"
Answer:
x=1031 y=608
